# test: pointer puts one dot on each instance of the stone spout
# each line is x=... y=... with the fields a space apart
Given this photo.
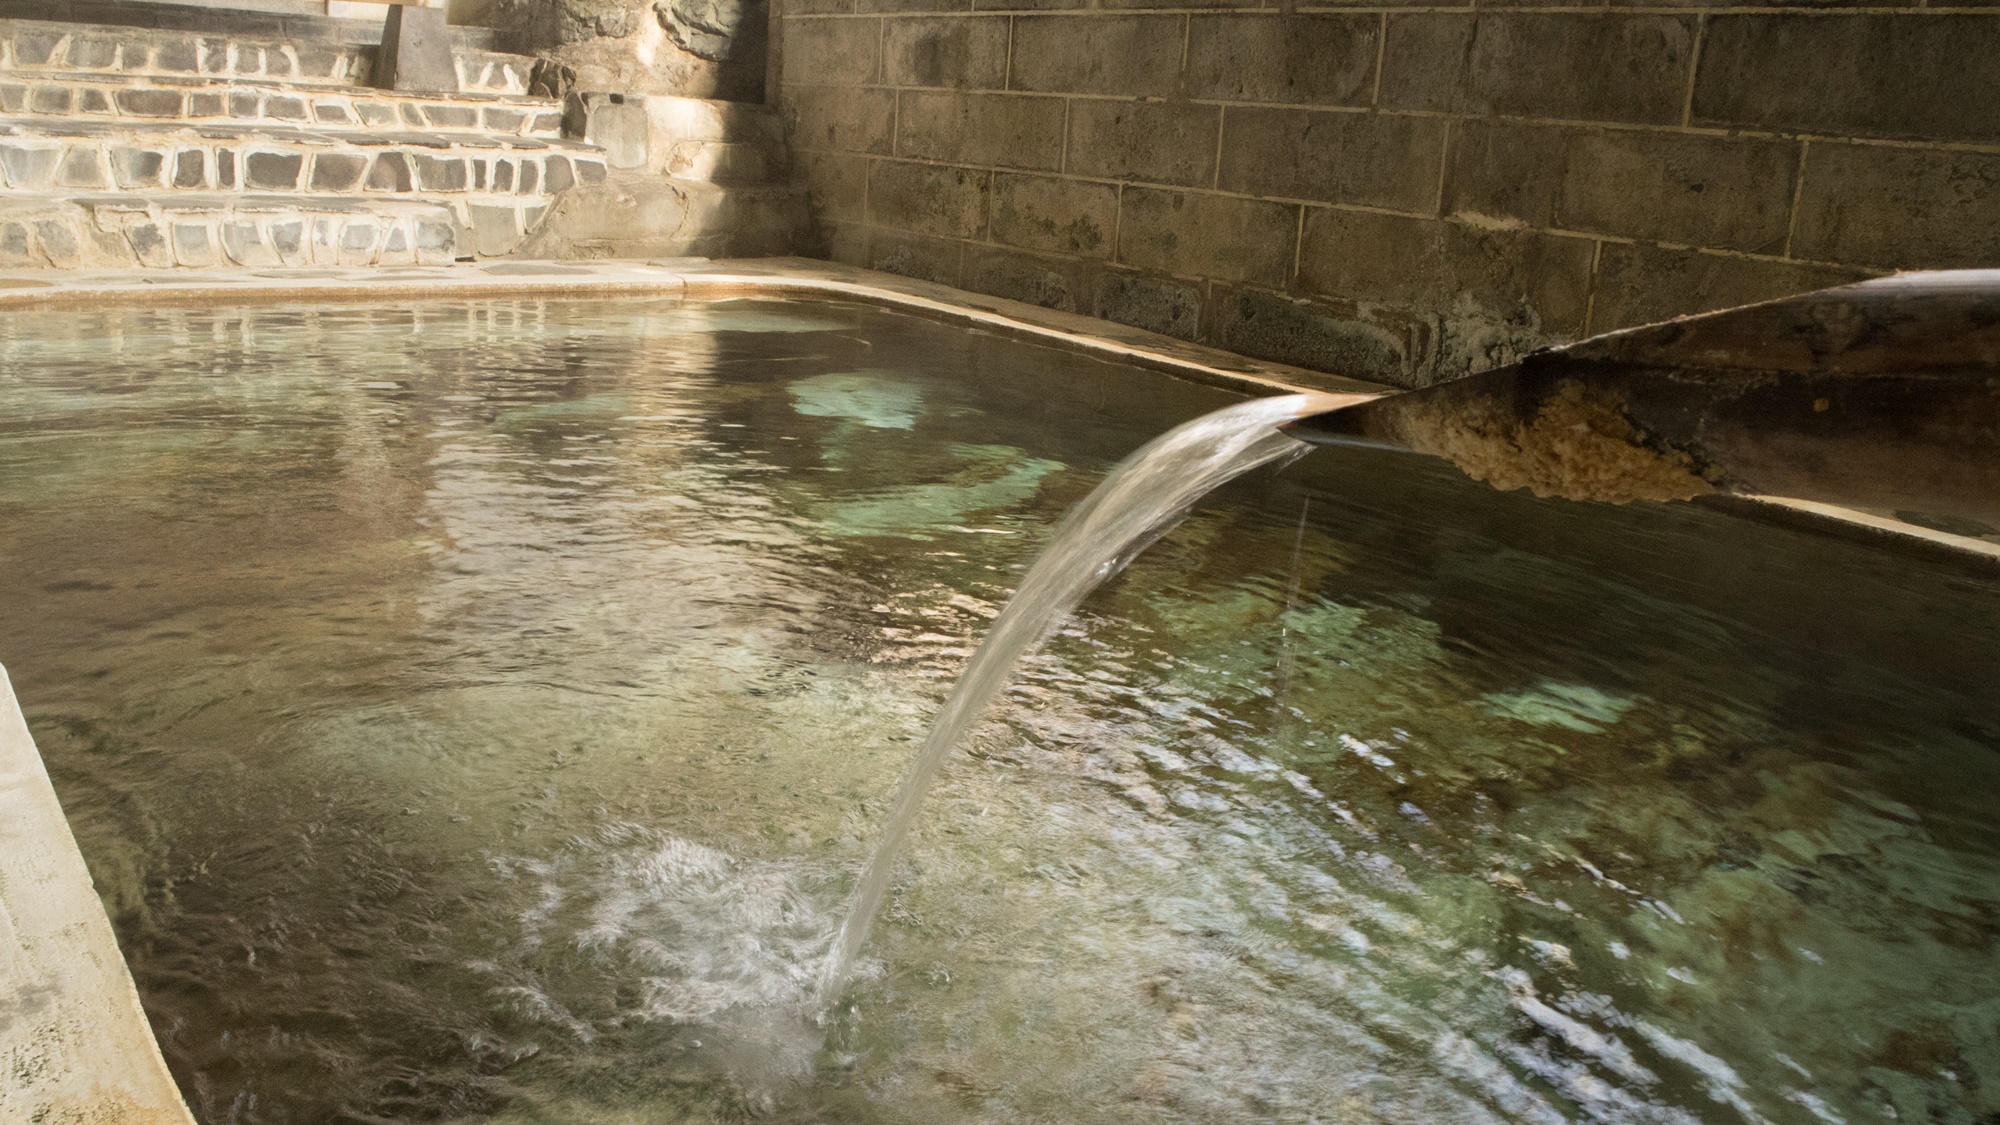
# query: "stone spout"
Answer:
x=1882 y=395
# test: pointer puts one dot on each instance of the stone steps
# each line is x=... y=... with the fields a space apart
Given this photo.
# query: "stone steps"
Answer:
x=42 y=156
x=165 y=137
x=691 y=138
x=638 y=215
x=225 y=16
x=138 y=231
x=196 y=101
x=221 y=138
x=31 y=48
x=688 y=176
x=725 y=162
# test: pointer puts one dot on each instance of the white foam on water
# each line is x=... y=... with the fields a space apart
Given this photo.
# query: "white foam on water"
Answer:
x=707 y=933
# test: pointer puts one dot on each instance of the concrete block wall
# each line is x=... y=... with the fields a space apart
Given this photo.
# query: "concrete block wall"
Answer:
x=1399 y=191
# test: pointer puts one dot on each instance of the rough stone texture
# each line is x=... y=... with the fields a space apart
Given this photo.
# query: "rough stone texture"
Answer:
x=1051 y=282
x=79 y=1040
x=190 y=169
x=272 y=171
x=1567 y=66
x=1402 y=191
x=927 y=259
x=1311 y=334
x=1872 y=205
x=617 y=127
x=390 y=172
x=1055 y=214
x=1374 y=159
x=644 y=216
x=81 y=168
x=1364 y=255
x=167 y=155
x=845 y=119
x=1499 y=293
x=439 y=173
x=559 y=176
x=59 y=242
x=839 y=53
x=1700 y=191
x=968 y=53
x=1262 y=57
x=450 y=116
x=1638 y=284
x=988 y=129
x=1866 y=75
x=1156 y=304
x=333 y=172
x=1195 y=233
x=688 y=48
x=150 y=103
x=495 y=230
x=1150 y=142
x=136 y=168
x=27 y=169
x=928 y=199
x=416 y=52
x=1109 y=54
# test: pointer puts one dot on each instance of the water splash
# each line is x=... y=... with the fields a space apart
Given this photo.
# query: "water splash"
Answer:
x=1145 y=495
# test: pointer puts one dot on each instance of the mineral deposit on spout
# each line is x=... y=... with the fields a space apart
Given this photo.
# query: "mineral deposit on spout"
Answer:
x=1579 y=446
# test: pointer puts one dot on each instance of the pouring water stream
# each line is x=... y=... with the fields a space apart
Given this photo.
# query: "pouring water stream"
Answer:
x=1142 y=498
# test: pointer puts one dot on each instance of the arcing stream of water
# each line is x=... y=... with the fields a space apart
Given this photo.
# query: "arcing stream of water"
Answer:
x=1142 y=498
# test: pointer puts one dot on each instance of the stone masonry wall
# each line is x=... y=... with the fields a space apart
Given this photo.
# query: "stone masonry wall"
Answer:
x=1398 y=191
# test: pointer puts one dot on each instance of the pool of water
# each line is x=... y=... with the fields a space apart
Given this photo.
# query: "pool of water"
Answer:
x=479 y=712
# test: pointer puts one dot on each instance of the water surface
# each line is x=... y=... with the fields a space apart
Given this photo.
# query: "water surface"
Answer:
x=480 y=713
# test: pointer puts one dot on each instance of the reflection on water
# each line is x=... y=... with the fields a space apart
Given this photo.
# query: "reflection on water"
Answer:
x=480 y=713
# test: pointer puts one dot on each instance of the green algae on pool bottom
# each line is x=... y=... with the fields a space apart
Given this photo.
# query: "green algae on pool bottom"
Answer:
x=479 y=711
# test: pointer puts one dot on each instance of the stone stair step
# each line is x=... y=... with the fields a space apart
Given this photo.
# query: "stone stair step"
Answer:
x=222 y=16
x=725 y=162
x=137 y=231
x=42 y=156
x=636 y=215
x=707 y=119
x=198 y=101
x=37 y=47
x=686 y=138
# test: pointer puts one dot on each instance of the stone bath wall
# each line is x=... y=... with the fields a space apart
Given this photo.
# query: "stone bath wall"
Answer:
x=678 y=48
x=1393 y=191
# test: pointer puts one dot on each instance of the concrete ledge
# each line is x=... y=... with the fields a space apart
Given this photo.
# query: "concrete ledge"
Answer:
x=74 y=1043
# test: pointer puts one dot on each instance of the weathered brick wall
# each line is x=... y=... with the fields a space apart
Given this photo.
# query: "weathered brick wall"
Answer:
x=1394 y=191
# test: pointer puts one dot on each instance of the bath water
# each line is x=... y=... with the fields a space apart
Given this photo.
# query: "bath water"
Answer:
x=483 y=711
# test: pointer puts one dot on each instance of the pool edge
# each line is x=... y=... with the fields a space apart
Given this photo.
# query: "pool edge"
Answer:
x=686 y=278
x=73 y=1035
